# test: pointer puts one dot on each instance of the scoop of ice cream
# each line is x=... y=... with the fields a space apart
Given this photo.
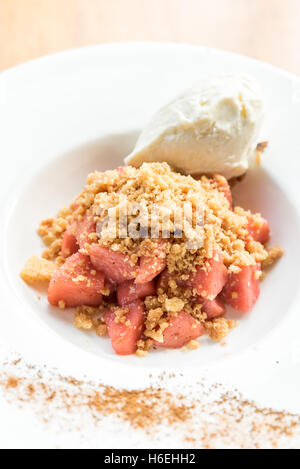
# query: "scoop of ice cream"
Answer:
x=210 y=128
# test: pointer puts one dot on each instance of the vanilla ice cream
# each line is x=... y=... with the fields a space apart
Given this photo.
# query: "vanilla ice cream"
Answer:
x=210 y=128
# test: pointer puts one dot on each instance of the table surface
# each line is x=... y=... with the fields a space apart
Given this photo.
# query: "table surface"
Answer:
x=265 y=29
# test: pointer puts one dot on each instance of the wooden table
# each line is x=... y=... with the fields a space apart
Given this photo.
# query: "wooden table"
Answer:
x=265 y=29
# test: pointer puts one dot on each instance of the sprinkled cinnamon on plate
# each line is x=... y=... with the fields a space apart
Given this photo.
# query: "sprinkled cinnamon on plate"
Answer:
x=202 y=416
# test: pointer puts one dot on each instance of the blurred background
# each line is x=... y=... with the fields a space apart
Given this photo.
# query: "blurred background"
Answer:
x=265 y=29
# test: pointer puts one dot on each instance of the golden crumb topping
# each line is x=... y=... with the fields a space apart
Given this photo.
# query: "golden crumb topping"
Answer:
x=114 y=193
x=37 y=270
x=274 y=253
x=219 y=328
x=89 y=317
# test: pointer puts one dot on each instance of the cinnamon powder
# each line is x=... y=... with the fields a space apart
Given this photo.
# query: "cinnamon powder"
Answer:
x=228 y=420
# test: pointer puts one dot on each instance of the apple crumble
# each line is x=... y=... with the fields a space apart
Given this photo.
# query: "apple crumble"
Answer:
x=152 y=257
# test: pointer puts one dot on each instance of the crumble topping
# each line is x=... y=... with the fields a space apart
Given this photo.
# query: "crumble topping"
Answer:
x=174 y=305
x=156 y=183
x=62 y=304
x=83 y=321
x=91 y=318
x=193 y=344
x=37 y=270
x=274 y=253
x=219 y=328
x=121 y=316
x=101 y=330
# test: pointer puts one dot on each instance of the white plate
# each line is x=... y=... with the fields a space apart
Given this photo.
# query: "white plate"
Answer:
x=65 y=115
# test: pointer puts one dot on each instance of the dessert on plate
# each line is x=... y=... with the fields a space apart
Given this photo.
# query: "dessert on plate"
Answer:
x=152 y=254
